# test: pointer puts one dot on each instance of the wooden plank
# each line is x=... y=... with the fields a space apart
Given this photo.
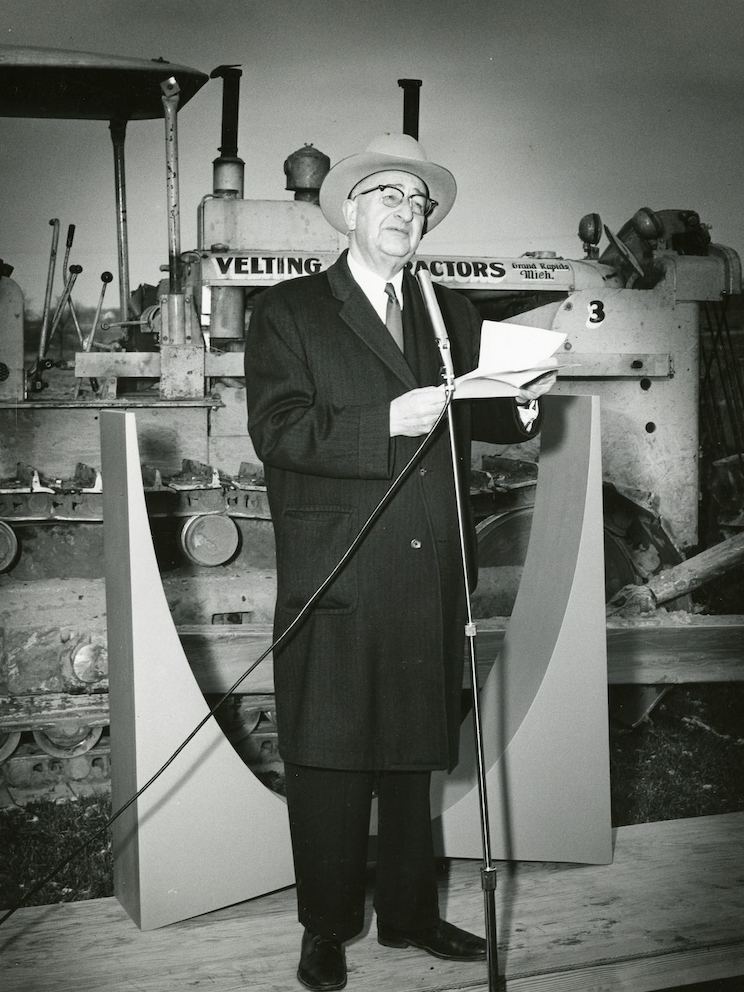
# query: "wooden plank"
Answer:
x=701 y=649
x=643 y=652
x=642 y=975
x=667 y=912
x=658 y=650
x=220 y=654
x=640 y=652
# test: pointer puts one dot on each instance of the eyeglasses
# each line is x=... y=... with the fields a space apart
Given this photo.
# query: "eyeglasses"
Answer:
x=421 y=205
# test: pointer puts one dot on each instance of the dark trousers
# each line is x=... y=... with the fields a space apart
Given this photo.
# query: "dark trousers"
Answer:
x=329 y=812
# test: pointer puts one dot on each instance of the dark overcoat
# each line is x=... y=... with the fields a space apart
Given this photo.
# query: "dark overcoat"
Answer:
x=372 y=679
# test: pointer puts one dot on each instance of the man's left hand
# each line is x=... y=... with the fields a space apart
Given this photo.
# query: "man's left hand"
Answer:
x=537 y=388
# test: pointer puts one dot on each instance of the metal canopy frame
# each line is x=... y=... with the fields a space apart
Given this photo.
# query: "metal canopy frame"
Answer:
x=55 y=83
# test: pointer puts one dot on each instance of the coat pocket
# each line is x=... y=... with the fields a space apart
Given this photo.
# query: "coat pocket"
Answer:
x=312 y=541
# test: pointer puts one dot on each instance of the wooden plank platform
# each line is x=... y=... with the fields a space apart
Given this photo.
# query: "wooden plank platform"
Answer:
x=669 y=911
x=658 y=650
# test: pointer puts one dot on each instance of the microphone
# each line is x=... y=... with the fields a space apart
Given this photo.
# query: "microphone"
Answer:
x=437 y=322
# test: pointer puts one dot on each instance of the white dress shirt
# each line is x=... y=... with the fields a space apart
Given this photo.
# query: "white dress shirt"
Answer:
x=373 y=286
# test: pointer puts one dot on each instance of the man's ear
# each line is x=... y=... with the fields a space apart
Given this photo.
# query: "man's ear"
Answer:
x=349 y=208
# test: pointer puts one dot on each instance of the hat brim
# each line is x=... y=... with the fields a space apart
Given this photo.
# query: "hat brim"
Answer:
x=347 y=173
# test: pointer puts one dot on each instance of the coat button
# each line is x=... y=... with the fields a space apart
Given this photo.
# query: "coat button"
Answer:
x=415 y=544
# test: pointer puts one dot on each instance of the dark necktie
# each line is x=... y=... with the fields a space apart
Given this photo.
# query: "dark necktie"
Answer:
x=394 y=316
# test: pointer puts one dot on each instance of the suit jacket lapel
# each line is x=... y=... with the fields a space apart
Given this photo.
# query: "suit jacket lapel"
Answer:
x=359 y=314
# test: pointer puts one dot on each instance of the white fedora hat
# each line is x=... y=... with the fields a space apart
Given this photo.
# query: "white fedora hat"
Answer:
x=399 y=152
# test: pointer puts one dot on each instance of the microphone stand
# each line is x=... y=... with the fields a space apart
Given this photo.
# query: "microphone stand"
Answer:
x=488 y=869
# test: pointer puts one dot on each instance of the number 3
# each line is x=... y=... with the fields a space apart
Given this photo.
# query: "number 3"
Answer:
x=596 y=312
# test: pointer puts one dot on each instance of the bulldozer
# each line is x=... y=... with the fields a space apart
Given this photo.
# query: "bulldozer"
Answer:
x=646 y=324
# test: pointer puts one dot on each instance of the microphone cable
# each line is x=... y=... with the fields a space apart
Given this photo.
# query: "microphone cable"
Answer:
x=280 y=640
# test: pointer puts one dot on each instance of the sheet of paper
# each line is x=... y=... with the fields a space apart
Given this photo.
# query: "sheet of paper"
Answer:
x=506 y=384
x=509 y=347
x=511 y=355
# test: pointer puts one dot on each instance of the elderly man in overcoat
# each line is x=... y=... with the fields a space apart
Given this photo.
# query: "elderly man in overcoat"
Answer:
x=342 y=387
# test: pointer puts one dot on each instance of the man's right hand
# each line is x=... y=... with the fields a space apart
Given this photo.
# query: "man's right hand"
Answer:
x=415 y=413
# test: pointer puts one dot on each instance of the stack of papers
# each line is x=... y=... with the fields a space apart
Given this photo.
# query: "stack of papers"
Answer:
x=511 y=357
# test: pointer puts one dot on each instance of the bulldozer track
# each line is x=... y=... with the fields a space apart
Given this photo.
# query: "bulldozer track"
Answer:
x=30 y=775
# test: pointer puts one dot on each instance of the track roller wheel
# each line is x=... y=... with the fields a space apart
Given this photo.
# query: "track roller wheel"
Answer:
x=8 y=743
x=67 y=742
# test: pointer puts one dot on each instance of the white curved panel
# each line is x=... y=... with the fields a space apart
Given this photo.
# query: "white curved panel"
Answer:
x=206 y=833
x=544 y=705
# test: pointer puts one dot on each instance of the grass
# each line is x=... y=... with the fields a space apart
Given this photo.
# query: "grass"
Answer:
x=686 y=760
x=35 y=838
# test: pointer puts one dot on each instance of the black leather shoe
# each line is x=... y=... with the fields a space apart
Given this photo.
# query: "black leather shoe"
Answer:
x=443 y=941
x=322 y=963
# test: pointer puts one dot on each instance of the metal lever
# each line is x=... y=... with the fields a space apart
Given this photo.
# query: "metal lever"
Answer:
x=106 y=278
